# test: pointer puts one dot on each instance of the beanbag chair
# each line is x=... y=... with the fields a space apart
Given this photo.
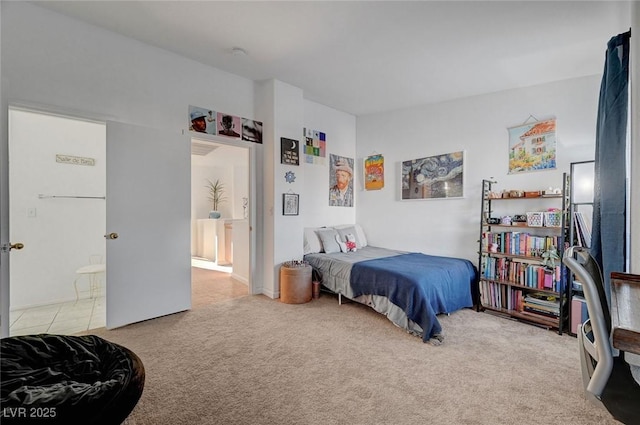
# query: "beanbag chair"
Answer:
x=61 y=379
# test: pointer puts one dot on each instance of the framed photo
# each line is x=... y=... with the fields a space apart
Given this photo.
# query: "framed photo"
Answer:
x=433 y=177
x=290 y=203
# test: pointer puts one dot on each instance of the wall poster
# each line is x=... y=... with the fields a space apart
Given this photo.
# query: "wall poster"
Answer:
x=434 y=177
x=289 y=151
x=340 y=181
x=374 y=172
x=205 y=120
x=532 y=147
x=315 y=148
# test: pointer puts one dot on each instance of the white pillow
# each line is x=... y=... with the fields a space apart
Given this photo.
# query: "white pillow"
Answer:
x=312 y=243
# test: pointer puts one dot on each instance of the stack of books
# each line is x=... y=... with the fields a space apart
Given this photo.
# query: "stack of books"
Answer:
x=542 y=304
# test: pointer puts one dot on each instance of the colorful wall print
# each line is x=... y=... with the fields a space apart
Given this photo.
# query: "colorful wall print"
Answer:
x=374 y=172
x=532 y=147
x=315 y=148
x=202 y=120
x=289 y=151
x=251 y=130
x=340 y=181
x=434 y=177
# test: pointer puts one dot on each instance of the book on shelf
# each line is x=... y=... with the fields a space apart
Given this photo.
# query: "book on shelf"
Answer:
x=582 y=229
x=540 y=312
x=579 y=313
x=542 y=299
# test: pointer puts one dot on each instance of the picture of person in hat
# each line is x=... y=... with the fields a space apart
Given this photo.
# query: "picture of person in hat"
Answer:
x=341 y=192
x=198 y=121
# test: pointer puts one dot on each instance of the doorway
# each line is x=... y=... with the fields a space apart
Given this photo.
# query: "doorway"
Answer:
x=220 y=246
x=57 y=180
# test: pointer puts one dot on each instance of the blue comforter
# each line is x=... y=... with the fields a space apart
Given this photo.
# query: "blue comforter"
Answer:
x=422 y=285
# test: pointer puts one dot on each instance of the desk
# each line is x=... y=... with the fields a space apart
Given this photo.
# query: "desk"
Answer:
x=625 y=312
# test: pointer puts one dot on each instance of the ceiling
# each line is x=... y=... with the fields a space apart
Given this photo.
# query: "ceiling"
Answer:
x=365 y=57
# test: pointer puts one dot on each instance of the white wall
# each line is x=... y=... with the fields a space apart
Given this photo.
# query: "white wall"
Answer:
x=477 y=125
x=58 y=64
x=282 y=104
x=59 y=234
x=340 y=129
x=230 y=165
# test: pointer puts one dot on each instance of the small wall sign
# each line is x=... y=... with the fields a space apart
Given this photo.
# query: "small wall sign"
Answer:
x=289 y=151
x=75 y=160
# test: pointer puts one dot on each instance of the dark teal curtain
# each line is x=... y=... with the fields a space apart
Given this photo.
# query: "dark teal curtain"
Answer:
x=609 y=221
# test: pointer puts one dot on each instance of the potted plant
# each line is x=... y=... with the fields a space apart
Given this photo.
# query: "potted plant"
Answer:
x=216 y=196
x=549 y=258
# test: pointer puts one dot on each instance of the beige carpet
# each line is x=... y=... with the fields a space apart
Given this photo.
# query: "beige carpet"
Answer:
x=211 y=286
x=253 y=360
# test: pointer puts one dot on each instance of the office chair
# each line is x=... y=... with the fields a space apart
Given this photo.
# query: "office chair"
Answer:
x=607 y=380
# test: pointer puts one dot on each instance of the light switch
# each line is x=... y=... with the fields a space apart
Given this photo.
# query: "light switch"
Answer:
x=31 y=212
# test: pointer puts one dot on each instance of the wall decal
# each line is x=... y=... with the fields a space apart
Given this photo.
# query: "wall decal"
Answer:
x=290 y=176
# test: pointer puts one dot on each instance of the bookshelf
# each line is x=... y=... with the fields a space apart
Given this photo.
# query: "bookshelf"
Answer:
x=518 y=232
x=580 y=217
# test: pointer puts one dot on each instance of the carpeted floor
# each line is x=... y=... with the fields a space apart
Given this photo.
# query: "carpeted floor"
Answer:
x=210 y=286
x=253 y=360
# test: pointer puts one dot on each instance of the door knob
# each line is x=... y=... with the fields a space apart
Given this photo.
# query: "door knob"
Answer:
x=9 y=246
x=111 y=235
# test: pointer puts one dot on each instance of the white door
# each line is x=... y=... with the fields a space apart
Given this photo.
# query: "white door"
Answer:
x=148 y=208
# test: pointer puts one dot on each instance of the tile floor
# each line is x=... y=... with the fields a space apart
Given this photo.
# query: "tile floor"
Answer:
x=73 y=317
x=66 y=318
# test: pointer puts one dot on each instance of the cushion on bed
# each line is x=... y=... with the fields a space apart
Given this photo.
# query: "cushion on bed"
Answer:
x=353 y=229
x=328 y=238
x=312 y=244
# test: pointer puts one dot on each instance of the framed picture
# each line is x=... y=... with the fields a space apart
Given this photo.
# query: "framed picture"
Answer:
x=433 y=177
x=532 y=147
x=290 y=204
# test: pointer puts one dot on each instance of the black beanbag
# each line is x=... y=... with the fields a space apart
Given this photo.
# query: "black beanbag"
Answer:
x=60 y=379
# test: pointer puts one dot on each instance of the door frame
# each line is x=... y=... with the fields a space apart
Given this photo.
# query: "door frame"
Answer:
x=5 y=307
x=252 y=215
x=5 y=274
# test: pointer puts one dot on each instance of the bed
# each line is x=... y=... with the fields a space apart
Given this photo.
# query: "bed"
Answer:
x=410 y=288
